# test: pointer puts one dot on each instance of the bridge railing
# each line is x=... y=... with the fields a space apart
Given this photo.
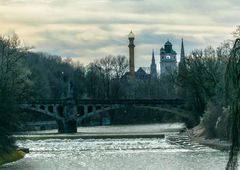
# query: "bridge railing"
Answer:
x=110 y=101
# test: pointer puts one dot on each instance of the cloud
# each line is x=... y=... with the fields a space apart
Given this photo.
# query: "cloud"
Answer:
x=87 y=30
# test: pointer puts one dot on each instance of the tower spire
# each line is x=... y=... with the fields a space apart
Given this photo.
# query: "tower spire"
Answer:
x=153 y=57
x=153 y=71
x=182 y=57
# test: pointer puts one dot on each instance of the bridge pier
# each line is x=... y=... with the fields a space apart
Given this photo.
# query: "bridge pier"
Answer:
x=60 y=126
x=70 y=126
x=67 y=126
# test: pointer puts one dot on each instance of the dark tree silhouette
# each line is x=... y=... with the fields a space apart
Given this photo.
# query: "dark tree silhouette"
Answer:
x=232 y=80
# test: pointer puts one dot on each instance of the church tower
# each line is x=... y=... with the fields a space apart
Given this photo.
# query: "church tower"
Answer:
x=131 y=54
x=153 y=67
x=168 y=60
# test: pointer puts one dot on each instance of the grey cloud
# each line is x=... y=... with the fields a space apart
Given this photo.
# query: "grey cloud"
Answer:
x=137 y=14
x=151 y=37
x=55 y=41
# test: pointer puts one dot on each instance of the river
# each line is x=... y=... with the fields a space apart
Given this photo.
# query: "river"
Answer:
x=174 y=152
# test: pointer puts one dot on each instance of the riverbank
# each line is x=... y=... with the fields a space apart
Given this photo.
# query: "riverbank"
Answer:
x=197 y=134
x=11 y=156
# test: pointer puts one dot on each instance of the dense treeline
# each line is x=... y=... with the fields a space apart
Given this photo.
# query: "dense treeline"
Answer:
x=14 y=86
x=101 y=79
x=202 y=80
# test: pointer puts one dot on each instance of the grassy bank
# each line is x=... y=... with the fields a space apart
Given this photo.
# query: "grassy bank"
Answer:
x=11 y=156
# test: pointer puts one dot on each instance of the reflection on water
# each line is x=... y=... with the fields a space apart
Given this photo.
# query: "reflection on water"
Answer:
x=175 y=152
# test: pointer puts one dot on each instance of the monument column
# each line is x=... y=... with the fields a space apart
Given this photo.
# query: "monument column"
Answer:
x=131 y=54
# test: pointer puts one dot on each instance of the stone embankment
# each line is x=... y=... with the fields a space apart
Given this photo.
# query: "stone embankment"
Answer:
x=197 y=135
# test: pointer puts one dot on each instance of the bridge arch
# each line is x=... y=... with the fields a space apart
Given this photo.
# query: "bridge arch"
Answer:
x=69 y=111
x=48 y=109
x=187 y=117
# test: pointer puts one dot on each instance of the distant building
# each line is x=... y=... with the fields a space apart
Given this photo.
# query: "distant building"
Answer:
x=168 y=60
x=141 y=74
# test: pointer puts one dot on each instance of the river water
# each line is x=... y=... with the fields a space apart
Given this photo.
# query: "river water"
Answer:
x=174 y=152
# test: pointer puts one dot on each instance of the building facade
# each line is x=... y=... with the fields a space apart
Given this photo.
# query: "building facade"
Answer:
x=168 y=60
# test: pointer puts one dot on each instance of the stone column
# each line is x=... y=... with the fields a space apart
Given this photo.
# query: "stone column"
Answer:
x=131 y=54
x=70 y=117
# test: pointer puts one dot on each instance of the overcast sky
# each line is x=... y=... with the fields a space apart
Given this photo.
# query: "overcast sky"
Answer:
x=89 y=29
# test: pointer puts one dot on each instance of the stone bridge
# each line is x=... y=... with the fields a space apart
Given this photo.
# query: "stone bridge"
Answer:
x=68 y=112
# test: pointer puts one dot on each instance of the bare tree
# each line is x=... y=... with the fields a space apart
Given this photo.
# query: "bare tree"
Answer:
x=236 y=33
x=120 y=66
